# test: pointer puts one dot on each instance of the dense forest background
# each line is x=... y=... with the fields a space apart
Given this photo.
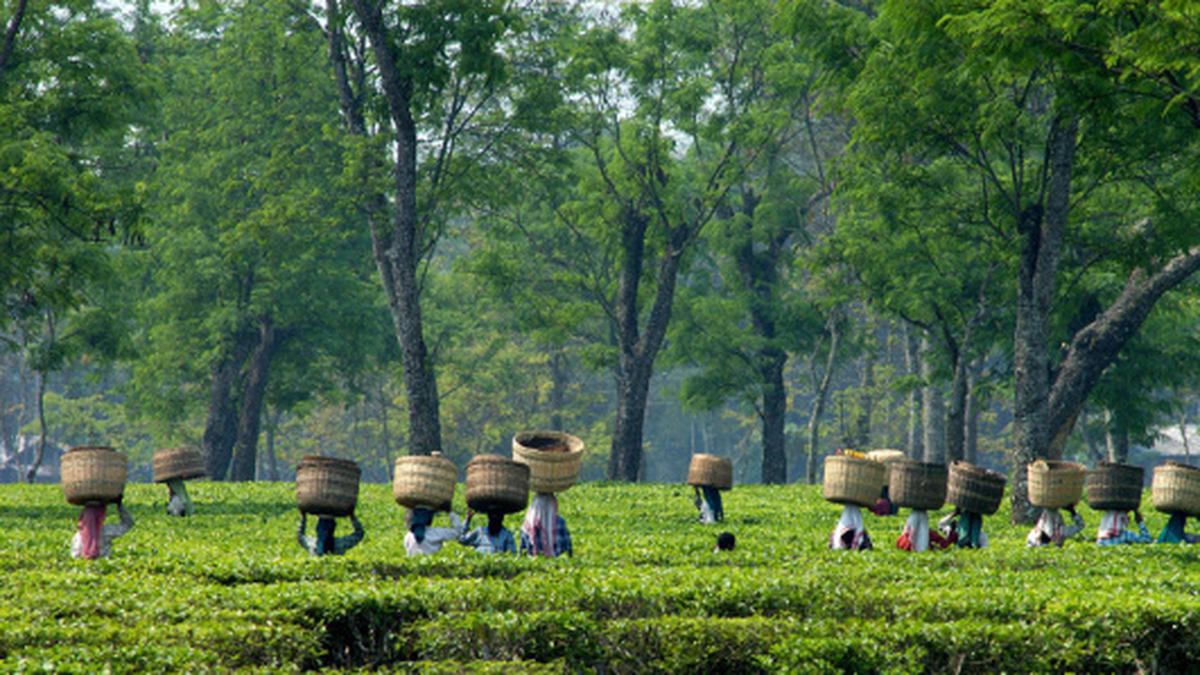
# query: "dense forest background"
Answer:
x=762 y=229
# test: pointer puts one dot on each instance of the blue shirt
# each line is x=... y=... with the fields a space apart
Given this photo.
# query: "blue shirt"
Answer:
x=562 y=539
x=481 y=541
x=1127 y=536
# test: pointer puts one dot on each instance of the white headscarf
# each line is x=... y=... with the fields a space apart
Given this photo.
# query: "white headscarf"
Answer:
x=917 y=528
x=541 y=518
x=1050 y=524
x=851 y=521
x=1112 y=524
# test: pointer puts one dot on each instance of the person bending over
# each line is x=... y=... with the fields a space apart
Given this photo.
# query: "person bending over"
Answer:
x=544 y=531
x=423 y=539
x=324 y=543
x=93 y=539
x=1051 y=530
x=490 y=538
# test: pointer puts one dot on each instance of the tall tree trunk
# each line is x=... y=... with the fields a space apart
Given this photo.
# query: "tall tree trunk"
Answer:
x=956 y=413
x=397 y=251
x=1040 y=231
x=974 y=404
x=820 y=395
x=866 y=402
x=558 y=386
x=912 y=365
x=250 y=416
x=933 y=409
x=220 y=428
x=10 y=35
x=272 y=460
x=1116 y=439
x=31 y=471
x=633 y=389
x=774 y=412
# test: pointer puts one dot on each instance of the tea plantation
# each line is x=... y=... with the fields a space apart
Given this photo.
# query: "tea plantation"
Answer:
x=230 y=589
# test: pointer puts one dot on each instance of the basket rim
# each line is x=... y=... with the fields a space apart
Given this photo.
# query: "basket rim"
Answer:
x=575 y=445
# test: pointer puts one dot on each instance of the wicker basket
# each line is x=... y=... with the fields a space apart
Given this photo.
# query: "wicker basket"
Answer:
x=182 y=463
x=1054 y=484
x=711 y=471
x=853 y=480
x=887 y=456
x=1175 y=488
x=326 y=486
x=497 y=485
x=424 y=481
x=974 y=489
x=917 y=485
x=1115 y=487
x=93 y=475
x=554 y=459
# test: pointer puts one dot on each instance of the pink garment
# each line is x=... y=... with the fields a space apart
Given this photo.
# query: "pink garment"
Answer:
x=91 y=529
x=541 y=518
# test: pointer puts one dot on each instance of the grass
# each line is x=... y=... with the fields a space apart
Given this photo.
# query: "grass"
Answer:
x=230 y=589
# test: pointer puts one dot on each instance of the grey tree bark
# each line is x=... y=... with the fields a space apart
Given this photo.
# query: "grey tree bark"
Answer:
x=912 y=365
x=820 y=396
x=933 y=410
x=258 y=368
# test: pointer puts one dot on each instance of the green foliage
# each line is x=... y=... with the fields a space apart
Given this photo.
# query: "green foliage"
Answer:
x=230 y=589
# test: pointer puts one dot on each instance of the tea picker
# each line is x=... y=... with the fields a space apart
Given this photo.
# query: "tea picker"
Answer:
x=1115 y=490
x=173 y=467
x=1175 y=489
x=974 y=492
x=885 y=505
x=554 y=459
x=92 y=477
x=1054 y=485
x=425 y=485
x=327 y=488
x=855 y=482
x=496 y=486
x=922 y=488
x=709 y=475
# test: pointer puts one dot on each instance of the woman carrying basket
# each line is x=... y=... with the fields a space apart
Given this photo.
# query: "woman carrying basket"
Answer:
x=708 y=501
x=93 y=539
x=423 y=539
x=1173 y=531
x=963 y=528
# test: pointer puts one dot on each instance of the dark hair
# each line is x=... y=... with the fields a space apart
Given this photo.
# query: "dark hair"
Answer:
x=325 y=529
x=495 y=523
x=726 y=541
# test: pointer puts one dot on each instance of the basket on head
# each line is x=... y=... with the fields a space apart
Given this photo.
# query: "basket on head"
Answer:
x=421 y=481
x=887 y=456
x=1054 y=484
x=852 y=480
x=710 y=471
x=326 y=486
x=181 y=463
x=917 y=485
x=974 y=489
x=496 y=484
x=1175 y=488
x=1115 y=487
x=93 y=475
x=554 y=459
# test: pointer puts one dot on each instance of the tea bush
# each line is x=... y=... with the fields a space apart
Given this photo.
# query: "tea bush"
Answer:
x=229 y=589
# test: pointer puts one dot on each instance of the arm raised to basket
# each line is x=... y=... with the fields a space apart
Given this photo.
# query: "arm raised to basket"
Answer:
x=343 y=544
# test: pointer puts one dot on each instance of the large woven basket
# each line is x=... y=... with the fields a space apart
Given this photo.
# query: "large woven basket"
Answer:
x=1175 y=488
x=887 y=456
x=182 y=463
x=424 y=481
x=853 y=480
x=917 y=485
x=711 y=471
x=974 y=489
x=1054 y=484
x=1115 y=487
x=326 y=486
x=93 y=475
x=496 y=484
x=554 y=459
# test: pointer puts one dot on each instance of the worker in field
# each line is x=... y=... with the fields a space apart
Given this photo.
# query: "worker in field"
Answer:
x=850 y=533
x=708 y=501
x=1173 y=531
x=725 y=542
x=1050 y=529
x=179 y=503
x=1114 y=529
x=93 y=539
x=917 y=536
x=422 y=538
x=963 y=528
x=324 y=542
x=544 y=531
x=490 y=538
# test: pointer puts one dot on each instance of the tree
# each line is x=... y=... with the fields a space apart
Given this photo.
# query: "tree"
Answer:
x=253 y=264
